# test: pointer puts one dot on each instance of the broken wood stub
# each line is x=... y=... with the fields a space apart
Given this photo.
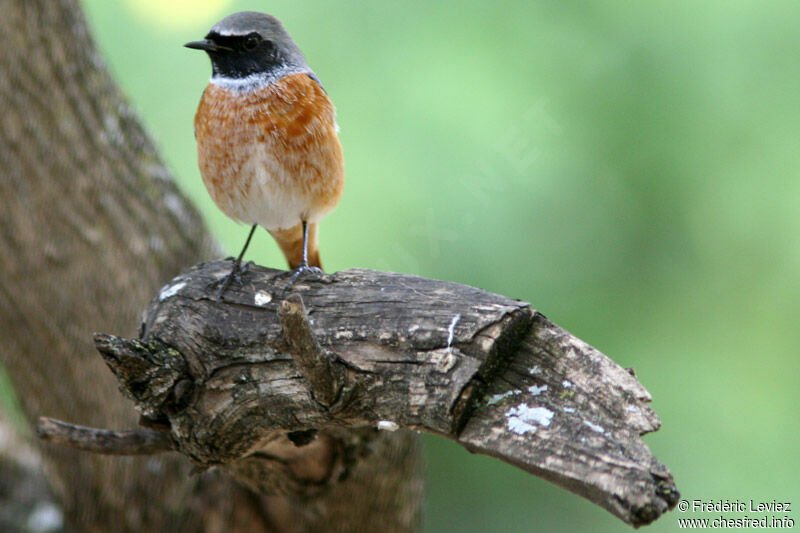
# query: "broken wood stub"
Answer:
x=316 y=364
x=285 y=387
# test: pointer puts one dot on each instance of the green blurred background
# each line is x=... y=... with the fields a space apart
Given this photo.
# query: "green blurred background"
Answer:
x=629 y=168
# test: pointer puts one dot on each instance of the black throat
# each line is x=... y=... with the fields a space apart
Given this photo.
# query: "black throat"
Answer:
x=233 y=59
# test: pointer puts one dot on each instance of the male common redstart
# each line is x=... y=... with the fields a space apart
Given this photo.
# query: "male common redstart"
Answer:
x=266 y=135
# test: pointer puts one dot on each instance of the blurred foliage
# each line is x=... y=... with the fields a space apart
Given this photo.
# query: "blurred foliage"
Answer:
x=629 y=168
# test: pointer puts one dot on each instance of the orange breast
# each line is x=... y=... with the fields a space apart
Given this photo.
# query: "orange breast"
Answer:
x=270 y=156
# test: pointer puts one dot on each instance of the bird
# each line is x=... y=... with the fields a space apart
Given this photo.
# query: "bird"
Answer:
x=267 y=139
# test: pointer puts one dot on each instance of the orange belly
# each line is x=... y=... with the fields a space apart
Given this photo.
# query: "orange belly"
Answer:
x=270 y=156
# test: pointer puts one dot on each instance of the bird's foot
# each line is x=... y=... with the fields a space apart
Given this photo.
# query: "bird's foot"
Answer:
x=235 y=276
x=302 y=271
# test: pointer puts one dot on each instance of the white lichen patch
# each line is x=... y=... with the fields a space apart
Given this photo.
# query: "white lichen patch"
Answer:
x=387 y=425
x=497 y=398
x=535 y=370
x=523 y=419
x=567 y=384
x=343 y=334
x=170 y=290
x=537 y=390
x=262 y=298
x=632 y=409
x=569 y=409
x=594 y=427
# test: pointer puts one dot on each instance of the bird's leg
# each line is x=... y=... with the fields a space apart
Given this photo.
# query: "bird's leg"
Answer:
x=303 y=267
x=236 y=271
x=304 y=263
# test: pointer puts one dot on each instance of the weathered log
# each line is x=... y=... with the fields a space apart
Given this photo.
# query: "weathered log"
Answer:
x=257 y=385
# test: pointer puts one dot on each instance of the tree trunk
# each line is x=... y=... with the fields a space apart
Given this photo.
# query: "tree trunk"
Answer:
x=91 y=225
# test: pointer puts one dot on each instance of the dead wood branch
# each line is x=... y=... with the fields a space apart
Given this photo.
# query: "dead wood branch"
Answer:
x=134 y=442
x=290 y=401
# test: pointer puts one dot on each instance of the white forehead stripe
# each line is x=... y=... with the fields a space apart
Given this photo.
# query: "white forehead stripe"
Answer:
x=231 y=33
x=259 y=79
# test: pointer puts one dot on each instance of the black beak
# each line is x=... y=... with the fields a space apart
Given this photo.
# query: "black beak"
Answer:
x=205 y=44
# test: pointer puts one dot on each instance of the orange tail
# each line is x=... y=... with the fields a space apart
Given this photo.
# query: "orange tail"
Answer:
x=291 y=243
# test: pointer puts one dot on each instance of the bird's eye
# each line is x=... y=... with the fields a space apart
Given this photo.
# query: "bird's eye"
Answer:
x=252 y=41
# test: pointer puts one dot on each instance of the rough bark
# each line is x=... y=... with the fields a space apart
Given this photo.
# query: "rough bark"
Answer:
x=254 y=383
x=91 y=224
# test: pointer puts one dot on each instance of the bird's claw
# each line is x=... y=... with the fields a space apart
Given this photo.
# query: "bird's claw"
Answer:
x=302 y=270
x=234 y=276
